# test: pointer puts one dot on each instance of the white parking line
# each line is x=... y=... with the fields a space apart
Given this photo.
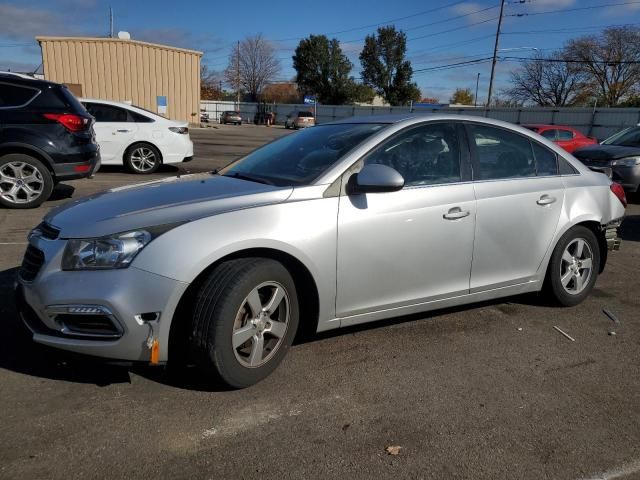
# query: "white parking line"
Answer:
x=619 y=472
x=14 y=243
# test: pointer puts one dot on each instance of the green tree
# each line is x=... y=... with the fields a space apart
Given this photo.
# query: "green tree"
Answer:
x=462 y=96
x=362 y=93
x=323 y=70
x=385 y=68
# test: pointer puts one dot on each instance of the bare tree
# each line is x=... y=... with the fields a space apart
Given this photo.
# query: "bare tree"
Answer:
x=612 y=61
x=252 y=65
x=548 y=81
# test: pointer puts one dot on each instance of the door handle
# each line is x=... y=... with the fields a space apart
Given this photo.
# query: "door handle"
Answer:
x=455 y=213
x=546 y=200
x=124 y=130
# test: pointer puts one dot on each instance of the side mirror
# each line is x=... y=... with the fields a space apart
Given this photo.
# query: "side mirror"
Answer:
x=375 y=178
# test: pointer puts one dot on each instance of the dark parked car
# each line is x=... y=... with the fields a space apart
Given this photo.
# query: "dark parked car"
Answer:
x=46 y=135
x=620 y=153
x=231 y=117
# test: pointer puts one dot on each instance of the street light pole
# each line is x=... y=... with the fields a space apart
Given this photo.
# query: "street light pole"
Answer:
x=495 y=54
x=475 y=99
x=238 y=75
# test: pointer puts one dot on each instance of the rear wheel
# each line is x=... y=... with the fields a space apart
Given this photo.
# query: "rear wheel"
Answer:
x=142 y=158
x=24 y=181
x=573 y=268
x=245 y=318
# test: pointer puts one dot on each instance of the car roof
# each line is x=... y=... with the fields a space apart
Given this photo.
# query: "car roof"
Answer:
x=22 y=79
x=134 y=108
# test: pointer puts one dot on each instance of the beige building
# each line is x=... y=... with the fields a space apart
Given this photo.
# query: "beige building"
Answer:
x=143 y=74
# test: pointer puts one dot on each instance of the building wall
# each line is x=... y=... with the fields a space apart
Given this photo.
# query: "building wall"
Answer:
x=127 y=71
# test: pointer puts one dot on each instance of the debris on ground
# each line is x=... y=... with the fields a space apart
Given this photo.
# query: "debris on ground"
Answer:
x=611 y=333
x=519 y=329
x=564 y=333
x=610 y=314
x=393 y=450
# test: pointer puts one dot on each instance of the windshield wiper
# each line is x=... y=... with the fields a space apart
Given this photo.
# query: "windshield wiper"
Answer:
x=250 y=178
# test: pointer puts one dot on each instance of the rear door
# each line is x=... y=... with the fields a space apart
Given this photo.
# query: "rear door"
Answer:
x=519 y=199
x=115 y=130
x=411 y=246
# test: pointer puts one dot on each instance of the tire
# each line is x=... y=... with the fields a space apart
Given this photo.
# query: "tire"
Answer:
x=25 y=182
x=233 y=299
x=142 y=158
x=569 y=280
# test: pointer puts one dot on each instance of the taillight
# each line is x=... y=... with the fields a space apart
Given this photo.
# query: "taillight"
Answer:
x=182 y=130
x=618 y=191
x=70 y=121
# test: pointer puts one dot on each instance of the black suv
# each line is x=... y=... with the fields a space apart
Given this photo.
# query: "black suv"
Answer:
x=46 y=135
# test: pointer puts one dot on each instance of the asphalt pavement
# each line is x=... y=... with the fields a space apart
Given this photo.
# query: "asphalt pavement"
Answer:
x=488 y=391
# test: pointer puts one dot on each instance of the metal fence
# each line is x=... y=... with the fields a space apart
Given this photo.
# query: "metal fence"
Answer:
x=598 y=122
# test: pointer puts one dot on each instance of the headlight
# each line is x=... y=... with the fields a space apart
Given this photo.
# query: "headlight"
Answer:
x=114 y=251
x=626 y=162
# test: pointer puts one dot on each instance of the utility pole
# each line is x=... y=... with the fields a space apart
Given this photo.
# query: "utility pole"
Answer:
x=110 y=22
x=475 y=99
x=238 y=75
x=495 y=54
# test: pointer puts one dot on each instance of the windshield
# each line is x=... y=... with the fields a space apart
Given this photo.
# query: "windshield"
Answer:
x=300 y=158
x=629 y=137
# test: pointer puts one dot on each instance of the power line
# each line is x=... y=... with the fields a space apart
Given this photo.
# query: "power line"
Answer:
x=452 y=29
x=577 y=9
x=452 y=4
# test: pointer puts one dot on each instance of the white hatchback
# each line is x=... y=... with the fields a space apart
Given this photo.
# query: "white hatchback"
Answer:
x=138 y=138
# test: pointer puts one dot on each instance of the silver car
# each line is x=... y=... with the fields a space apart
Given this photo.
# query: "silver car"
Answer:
x=341 y=224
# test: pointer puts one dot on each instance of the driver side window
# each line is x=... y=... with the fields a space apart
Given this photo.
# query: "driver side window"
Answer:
x=424 y=155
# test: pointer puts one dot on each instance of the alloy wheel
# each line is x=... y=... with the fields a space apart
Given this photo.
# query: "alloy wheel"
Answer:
x=576 y=266
x=143 y=159
x=20 y=182
x=261 y=324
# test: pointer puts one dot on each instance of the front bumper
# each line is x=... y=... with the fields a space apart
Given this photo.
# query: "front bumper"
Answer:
x=128 y=296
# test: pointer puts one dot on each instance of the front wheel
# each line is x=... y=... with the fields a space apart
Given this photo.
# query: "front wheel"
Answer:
x=573 y=267
x=24 y=181
x=245 y=318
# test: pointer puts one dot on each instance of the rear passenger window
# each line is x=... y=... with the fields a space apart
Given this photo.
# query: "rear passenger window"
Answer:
x=502 y=154
x=15 y=96
x=549 y=134
x=106 y=113
x=546 y=160
x=138 y=118
x=565 y=167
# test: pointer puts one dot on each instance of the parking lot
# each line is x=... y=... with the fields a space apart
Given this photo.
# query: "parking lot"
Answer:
x=481 y=392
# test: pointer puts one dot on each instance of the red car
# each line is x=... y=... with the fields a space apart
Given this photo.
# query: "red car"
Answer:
x=566 y=137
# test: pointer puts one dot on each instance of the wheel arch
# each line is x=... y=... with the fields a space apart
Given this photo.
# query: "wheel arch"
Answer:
x=142 y=142
x=306 y=287
x=20 y=148
x=592 y=224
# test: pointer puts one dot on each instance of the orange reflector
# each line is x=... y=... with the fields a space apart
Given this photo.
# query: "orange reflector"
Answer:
x=155 y=352
x=81 y=168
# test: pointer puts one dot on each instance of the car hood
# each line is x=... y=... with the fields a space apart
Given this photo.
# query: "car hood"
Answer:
x=166 y=201
x=605 y=152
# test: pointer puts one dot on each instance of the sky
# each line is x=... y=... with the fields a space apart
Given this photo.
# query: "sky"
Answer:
x=440 y=33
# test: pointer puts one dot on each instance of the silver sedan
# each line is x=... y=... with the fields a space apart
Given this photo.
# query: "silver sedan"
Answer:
x=341 y=224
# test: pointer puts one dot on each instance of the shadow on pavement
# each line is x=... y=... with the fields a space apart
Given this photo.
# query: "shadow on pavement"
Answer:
x=20 y=354
x=630 y=228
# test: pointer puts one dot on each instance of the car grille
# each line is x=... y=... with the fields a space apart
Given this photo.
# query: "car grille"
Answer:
x=48 y=231
x=31 y=263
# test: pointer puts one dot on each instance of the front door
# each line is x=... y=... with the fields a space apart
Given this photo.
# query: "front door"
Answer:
x=414 y=245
